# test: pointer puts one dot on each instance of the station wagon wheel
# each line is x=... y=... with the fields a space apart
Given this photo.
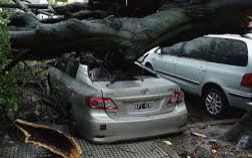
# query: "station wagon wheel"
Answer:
x=215 y=102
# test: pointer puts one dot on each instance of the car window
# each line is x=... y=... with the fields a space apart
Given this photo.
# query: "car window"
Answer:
x=173 y=50
x=197 y=48
x=229 y=51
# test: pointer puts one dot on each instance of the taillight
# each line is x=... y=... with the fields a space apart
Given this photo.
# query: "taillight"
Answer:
x=247 y=81
x=100 y=103
x=175 y=98
x=110 y=106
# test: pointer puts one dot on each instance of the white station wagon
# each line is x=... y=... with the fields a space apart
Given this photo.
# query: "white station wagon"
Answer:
x=218 y=68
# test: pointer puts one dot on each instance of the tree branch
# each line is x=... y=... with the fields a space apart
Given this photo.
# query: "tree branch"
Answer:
x=24 y=7
x=126 y=37
x=84 y=14
x=59 y=9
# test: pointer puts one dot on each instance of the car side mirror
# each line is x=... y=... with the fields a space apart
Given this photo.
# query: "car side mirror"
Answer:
x=158 y=51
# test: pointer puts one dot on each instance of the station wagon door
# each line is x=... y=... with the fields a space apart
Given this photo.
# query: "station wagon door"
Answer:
x=164 y=63
x=190 y=66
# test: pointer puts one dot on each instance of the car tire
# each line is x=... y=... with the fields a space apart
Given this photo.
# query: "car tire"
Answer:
x=215 y=102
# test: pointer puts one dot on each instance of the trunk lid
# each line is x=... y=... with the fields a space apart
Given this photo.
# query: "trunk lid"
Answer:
x=145 y=96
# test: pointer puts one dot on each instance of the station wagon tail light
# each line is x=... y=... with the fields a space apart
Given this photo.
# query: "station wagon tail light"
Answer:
x=101 y=103
x=175 y=98
x=247 y=81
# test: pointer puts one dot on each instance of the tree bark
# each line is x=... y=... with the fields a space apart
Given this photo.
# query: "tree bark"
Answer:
x=241 y=132
x=128 y=37
x=125 y=38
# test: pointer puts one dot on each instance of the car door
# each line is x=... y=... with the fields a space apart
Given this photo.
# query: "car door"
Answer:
x=190 y=66
x=164 y=62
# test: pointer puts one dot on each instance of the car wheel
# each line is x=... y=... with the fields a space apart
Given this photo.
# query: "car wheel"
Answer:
x=215 y=102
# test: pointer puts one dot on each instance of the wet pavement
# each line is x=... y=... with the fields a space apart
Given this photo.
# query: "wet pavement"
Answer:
x=139 y=149
x=23 y=151
x=150 y=148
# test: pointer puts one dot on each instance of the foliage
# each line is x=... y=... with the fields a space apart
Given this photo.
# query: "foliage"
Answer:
x=9 y=92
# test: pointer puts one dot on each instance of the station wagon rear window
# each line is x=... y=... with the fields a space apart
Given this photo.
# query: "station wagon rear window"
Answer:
x=228 y=51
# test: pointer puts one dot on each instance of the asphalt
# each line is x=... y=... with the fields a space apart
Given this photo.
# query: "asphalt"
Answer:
x=146 y=148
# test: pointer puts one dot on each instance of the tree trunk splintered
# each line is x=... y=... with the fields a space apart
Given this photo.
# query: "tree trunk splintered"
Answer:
x=126 y=37
x=241 y=132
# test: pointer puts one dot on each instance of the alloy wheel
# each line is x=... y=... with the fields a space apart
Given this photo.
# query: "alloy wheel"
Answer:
x=213 y=103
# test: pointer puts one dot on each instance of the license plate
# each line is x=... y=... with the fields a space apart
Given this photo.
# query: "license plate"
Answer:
x=143 y=106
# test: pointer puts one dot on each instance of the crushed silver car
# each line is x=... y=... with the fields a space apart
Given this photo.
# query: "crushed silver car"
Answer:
x=131 y=107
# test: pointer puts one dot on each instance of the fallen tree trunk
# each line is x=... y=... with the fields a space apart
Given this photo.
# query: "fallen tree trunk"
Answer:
x=241 y=132
x=126 y=37
x=129 y=35
x=58 y=9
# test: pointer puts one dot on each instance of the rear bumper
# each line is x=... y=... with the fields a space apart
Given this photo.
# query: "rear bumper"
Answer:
x=241 y=101
x=131 y=128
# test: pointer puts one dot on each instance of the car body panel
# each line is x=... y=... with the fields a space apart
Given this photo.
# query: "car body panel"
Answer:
x=132 y=127
x=127 y=94
x=72 y=89
x=164 y=63
x=190 y=73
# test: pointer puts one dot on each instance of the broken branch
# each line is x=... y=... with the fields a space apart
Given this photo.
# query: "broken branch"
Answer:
x=50 y=139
